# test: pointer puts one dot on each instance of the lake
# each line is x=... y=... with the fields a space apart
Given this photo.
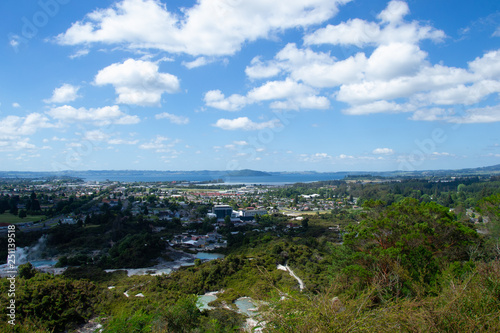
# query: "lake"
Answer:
x=272 y=179
x=209 y=256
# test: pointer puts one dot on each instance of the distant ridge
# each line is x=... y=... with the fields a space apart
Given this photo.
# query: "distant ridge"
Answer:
x=207 y=175
x=248 y=173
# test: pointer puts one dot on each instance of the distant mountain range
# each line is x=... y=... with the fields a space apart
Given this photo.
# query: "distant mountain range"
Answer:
x=237 y=175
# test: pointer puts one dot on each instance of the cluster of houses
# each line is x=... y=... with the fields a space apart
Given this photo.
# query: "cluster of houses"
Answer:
x=241 y=215
x=214 y=240
x=311 y=203
x=475 y=217
x=208 y=242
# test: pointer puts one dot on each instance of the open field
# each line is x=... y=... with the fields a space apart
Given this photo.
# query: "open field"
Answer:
x=312 y=212
x=181 y=189
x=9 y=218
x=298 y=212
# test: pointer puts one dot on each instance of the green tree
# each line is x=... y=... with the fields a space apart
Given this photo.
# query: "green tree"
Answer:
x=34 y=203
x=13 y=208
x=489 y=207
x=26 y=271
x=305 y=223
x=183 y=316
x=409 y=239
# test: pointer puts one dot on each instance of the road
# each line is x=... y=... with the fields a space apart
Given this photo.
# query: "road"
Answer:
x=47 y=224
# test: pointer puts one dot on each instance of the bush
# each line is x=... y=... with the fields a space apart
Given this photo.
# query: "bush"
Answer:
x=53 y=302
x=26 y=271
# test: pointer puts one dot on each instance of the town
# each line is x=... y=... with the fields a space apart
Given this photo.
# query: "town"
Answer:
x=229 y=244
x=35 y=205
x=39 y=205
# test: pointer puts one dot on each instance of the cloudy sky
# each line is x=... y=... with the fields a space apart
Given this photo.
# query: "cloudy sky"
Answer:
x=284 y=85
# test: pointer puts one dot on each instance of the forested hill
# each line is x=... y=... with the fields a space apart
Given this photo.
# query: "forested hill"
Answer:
x=247 y=173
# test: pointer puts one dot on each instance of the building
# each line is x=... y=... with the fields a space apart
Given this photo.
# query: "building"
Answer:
x=253 y=212
x=221 y=211
x=68 y=220
x=249 y=214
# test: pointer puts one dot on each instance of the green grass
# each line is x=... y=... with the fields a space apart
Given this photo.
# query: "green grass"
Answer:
x=9 y=218
x=306 y=212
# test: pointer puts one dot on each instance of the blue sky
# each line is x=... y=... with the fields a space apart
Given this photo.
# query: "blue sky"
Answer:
x=324 y=85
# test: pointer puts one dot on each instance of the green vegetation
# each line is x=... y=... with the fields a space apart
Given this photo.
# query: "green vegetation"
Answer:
x=467 y=303
x=53 y=301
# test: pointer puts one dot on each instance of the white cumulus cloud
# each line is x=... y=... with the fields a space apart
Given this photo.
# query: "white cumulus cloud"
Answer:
x=488 y=114
x=16 y=144
x=198 y=62
x=378 y=107
x=286 y=94
x=394 y=12
x=261 y=70
x=15 y=126
x=64 y=94
x=99 y=116
x=245 y=124
x=383 y=151
x=216 y=99
x=138 y=82
x=279 y=90
x=210 y=27
x=159 y=145
x=179 y=120
x=391 y=29
x=95 y=135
